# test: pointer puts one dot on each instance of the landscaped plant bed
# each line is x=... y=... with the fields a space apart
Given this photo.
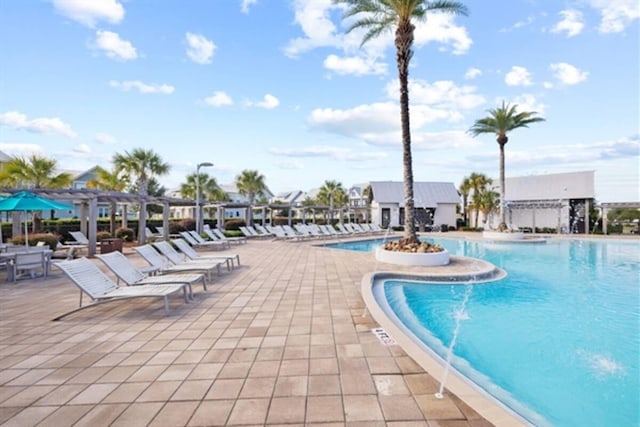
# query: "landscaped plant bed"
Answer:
x=419 y=254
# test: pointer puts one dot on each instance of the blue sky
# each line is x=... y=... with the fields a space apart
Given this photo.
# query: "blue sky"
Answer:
x=279 y=87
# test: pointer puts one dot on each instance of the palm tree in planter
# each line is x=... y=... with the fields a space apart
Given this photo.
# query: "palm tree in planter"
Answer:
x=379 y=17
x=250 y=183
x=500 y=121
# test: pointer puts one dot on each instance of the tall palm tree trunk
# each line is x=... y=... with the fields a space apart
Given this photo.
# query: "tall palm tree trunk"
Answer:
x=503 y=222
x=403 y=41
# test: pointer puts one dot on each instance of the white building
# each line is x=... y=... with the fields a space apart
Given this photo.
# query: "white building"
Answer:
x=435 y=203
x=558 y=201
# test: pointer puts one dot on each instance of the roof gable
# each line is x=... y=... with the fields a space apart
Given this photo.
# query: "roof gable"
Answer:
x=425 y=194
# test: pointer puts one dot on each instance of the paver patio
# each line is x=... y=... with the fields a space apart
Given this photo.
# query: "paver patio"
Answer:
x=283 y=340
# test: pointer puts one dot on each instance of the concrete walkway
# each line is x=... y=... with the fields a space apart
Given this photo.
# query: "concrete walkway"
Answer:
x=283 y=340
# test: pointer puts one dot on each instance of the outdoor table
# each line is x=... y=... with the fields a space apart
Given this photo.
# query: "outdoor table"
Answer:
x=10 y=257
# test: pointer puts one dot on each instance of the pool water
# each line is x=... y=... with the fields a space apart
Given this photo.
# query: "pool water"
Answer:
x=558 y=340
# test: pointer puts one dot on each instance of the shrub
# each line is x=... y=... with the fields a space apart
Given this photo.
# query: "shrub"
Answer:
x=101 y=235
x=234 y=224
x=126 y=234
x=188 y=224
x=176 y=227
x=50 y=239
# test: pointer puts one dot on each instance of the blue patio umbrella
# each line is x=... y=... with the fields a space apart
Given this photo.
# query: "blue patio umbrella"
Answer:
x=26 y=201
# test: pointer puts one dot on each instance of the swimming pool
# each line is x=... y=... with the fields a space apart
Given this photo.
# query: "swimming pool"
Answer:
x=557 y=340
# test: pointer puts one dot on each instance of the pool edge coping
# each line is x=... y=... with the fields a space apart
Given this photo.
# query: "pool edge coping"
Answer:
x=480 y=401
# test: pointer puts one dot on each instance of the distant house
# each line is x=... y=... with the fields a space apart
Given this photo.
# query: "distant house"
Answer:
x=560 y=201
x=291 y=198
x=435 y=203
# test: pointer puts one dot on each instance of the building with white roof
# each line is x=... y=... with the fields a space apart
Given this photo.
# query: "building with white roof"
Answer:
x=435 y=203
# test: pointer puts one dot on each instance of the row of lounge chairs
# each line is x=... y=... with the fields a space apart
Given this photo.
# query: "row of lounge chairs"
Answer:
x=309 y=231
x=170 y=271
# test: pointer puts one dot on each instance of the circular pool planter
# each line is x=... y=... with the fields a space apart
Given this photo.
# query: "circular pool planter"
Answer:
x=427 y=259
x=499 y=235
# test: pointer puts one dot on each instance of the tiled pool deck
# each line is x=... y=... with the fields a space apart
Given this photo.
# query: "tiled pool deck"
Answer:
x=283 y=340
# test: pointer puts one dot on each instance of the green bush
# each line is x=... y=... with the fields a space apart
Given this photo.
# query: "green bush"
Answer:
x=234 y=224
x=125 y=234
x=101 y=235
x=50 y=239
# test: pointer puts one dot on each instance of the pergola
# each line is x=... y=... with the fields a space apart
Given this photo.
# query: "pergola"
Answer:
x=614 y=205
x=538 y=204
x=88 y=200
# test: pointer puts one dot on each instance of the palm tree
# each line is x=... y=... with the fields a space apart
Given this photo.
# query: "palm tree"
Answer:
x=382 y=16
x=500 y=121
x=330 y=193
x=487 y=201
x=210 y=191
x=109 y=181
x=464 y=189
x=478 y=183
x=34 y=172
x=141 y=165
x=250 y=183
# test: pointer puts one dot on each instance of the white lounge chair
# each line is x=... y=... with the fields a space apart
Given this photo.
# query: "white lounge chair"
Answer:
x=260 y=230
x=220 y=235
x=126 y=271
x=193 y=255
x=155 y=259
x=78 y=238
x=199 y=242
x=176 y=258
x=100 y=288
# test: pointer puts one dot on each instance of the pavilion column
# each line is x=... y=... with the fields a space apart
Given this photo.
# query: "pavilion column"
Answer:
x=16 y=225
x=84 y=208
x=142 y=222
x=586 y=216
x=533 y=219
x=124 y=215
x=165 y=220
x=220 y=217
x=92 y=224
x=289 y=215
x=604 y=220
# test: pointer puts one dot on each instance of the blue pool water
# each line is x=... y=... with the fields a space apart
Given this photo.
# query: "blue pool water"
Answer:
x=558 y=340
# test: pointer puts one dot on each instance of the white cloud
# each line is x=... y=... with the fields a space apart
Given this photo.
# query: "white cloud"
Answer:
x=518 y=76
x=616 y=15
x=571 y=23
x=45 y=125
x=528 y=102
x=443 y=140
x=246 y=4
x=472 y=73
x=442 y=93
x=88 y=13
x=269 y=102
x=441 y=28
x=354 y=65
x=336 y=153
x=200 y=48
x=114 y=47
x=520 y=24
x=218 y=99
x=289 y=164
x=141 y=87
x=82 y=149
x=20 y=149
x=567 y=74
x=104 y=138
x=315 y=19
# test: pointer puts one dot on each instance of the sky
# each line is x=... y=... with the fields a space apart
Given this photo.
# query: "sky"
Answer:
x=280 y=86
